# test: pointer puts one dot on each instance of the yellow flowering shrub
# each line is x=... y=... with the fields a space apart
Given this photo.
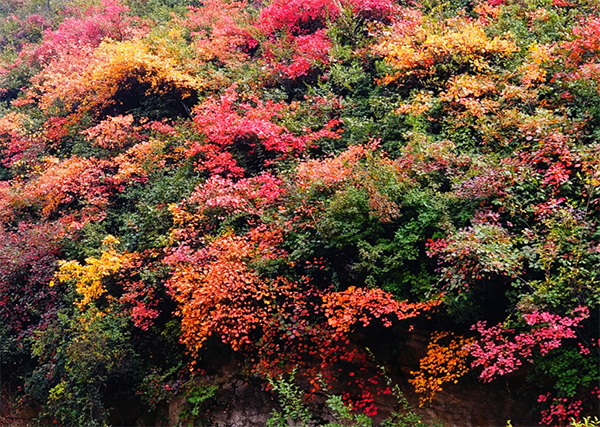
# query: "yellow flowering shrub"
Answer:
x=418 y=48
x=89 y=278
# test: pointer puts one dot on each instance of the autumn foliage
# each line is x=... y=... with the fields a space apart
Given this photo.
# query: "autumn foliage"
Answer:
x=443 y=363
x=308 y=187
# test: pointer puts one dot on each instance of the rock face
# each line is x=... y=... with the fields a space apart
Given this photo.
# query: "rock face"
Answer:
x=477 y=405
x=11 y=417
x=468 y=403
x=253 y=405
x=242 y=401
x=19 y=420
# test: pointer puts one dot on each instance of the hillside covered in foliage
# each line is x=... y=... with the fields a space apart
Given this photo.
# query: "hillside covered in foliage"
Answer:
x=273 y=181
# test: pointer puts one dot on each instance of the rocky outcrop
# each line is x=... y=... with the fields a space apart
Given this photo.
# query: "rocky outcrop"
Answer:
x=242 y=401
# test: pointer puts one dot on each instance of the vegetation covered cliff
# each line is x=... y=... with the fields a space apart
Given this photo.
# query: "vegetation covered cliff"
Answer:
x=300 y=186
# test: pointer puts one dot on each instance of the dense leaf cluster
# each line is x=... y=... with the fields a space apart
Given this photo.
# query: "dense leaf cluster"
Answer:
x=276 y=176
